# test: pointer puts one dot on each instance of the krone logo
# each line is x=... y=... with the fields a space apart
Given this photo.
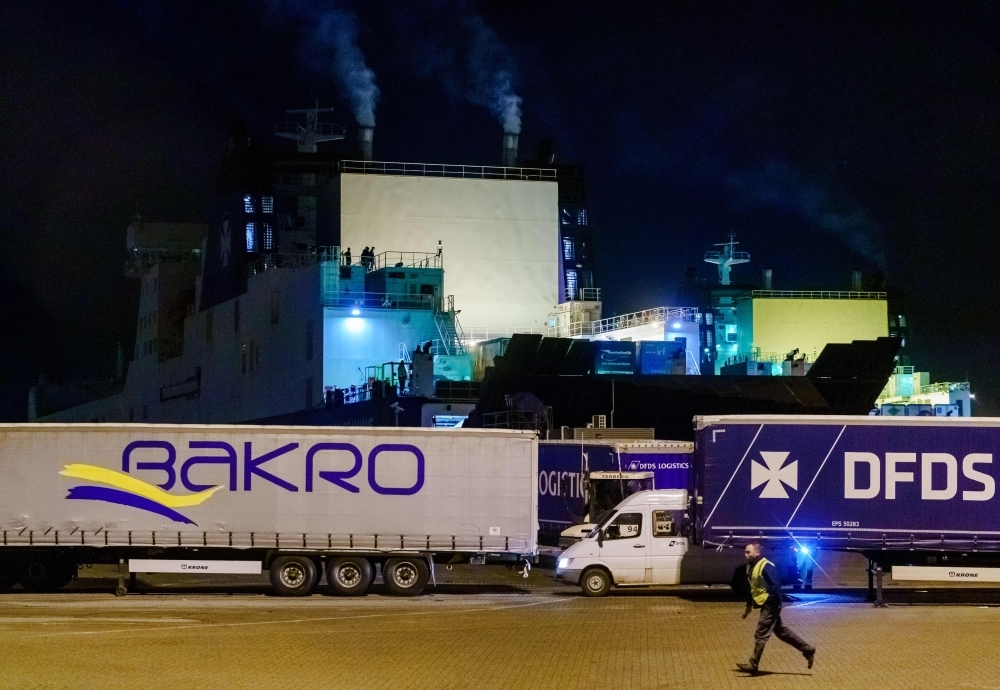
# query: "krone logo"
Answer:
x=774 y=474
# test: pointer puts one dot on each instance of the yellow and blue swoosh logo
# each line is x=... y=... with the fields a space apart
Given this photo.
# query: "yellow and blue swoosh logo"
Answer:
x=126 y=490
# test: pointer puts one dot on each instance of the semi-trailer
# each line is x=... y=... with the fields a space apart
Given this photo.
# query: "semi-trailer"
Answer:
x=290 y=501
x=916 y=495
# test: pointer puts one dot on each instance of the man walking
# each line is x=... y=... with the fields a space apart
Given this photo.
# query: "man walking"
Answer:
x=765 y=594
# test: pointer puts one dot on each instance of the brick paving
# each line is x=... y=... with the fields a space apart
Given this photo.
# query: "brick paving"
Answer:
x=481 y=629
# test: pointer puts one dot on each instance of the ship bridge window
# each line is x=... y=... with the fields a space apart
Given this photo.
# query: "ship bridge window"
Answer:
x=581 y=217
x=268 y=237
x=251 y=237
x=267 y=204
x=569 y=249
x=248 y=204
x=571 y=283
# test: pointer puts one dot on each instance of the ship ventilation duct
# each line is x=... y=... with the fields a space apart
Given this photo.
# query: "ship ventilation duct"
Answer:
x=768 y=282
x=510 y=149
x=856 y=281
x=365 y=136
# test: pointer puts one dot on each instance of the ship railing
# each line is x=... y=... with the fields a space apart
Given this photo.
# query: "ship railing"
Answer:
x=358 y=301
x=617 y=323
x=485 y=172
x=266 y=262
x=756 y=355
x=716 y=257
x=140 y=259
x=944 y=387
x=809 y=294
x=474 y=335
x=583 y=294
x=402 y=260
x=297 y=128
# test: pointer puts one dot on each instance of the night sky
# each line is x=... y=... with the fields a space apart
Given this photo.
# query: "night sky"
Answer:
x=828 y=136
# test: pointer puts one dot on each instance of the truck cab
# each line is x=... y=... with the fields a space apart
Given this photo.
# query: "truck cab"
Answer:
x=640 y=542
x=602 y=491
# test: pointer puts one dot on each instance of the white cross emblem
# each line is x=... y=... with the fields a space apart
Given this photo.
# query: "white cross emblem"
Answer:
x=774 y=474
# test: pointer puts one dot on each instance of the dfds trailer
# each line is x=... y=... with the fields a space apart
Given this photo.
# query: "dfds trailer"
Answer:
x=294 y=501
x=917 y=494
x=914 y=494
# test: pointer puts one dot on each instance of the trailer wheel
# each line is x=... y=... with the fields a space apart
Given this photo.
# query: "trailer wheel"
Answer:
x=405 y=577
x=46 y=574
x=293 y=576
x=10 y=574
x=739 y=583
x=595 y=582
x=349 y=575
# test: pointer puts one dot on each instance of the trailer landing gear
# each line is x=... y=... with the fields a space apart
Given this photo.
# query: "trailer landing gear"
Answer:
x=121 y=590
x=875 y=573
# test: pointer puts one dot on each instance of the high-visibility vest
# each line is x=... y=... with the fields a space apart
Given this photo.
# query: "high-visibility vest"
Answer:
x=757 y=589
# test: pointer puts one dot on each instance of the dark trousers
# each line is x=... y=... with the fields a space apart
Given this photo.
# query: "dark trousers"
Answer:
x=770 y=621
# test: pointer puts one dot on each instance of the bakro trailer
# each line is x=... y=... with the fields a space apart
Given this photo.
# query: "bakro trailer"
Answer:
x=293 y=501
x=916 y=495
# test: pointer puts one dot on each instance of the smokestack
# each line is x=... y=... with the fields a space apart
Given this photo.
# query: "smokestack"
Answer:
x=510 y=149
x=856 y=281
x=768 y=284
x=365 y=136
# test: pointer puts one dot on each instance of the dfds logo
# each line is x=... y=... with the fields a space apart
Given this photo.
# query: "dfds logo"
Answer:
x=775 y=473
x=123 y=489
x=938 y=474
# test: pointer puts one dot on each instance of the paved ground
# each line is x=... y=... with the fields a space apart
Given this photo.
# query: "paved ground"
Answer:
x=477 y=630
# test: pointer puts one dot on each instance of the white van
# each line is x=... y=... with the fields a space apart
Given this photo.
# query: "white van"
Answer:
x=638 y=543
x=644 y=542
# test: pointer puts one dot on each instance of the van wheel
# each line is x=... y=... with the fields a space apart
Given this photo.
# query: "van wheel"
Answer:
x=293 y=576
x=595 y=582
x=46 y=574
x=350 y=575
x=405 y=577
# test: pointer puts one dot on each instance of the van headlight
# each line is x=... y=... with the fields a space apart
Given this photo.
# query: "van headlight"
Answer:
x=563 y=563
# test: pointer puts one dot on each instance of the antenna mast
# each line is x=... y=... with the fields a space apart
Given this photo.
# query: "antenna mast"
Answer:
x=727 y=258
x=313 y=132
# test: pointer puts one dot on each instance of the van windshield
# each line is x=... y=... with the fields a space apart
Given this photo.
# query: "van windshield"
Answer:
x=602 y=523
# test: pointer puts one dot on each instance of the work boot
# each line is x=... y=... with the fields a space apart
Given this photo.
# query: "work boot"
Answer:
x=810 y=655
x=748 y=668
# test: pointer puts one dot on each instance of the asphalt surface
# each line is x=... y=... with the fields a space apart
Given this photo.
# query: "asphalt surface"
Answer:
x=480 y=628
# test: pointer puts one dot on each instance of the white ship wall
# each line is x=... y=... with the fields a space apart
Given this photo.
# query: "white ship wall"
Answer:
x=278 y=371
x=500 y=239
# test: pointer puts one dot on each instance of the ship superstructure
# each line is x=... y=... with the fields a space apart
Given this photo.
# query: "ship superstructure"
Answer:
x=320 y=275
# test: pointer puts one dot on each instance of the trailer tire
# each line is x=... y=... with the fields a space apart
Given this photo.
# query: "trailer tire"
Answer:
x=595 y=582
x=405 y=577
x=40 y=574
x=740 y=584
x=10 y=574
x=293 y=576
x=349 y=576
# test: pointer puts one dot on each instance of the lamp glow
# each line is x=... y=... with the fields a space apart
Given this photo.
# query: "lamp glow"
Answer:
x=356 y=312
